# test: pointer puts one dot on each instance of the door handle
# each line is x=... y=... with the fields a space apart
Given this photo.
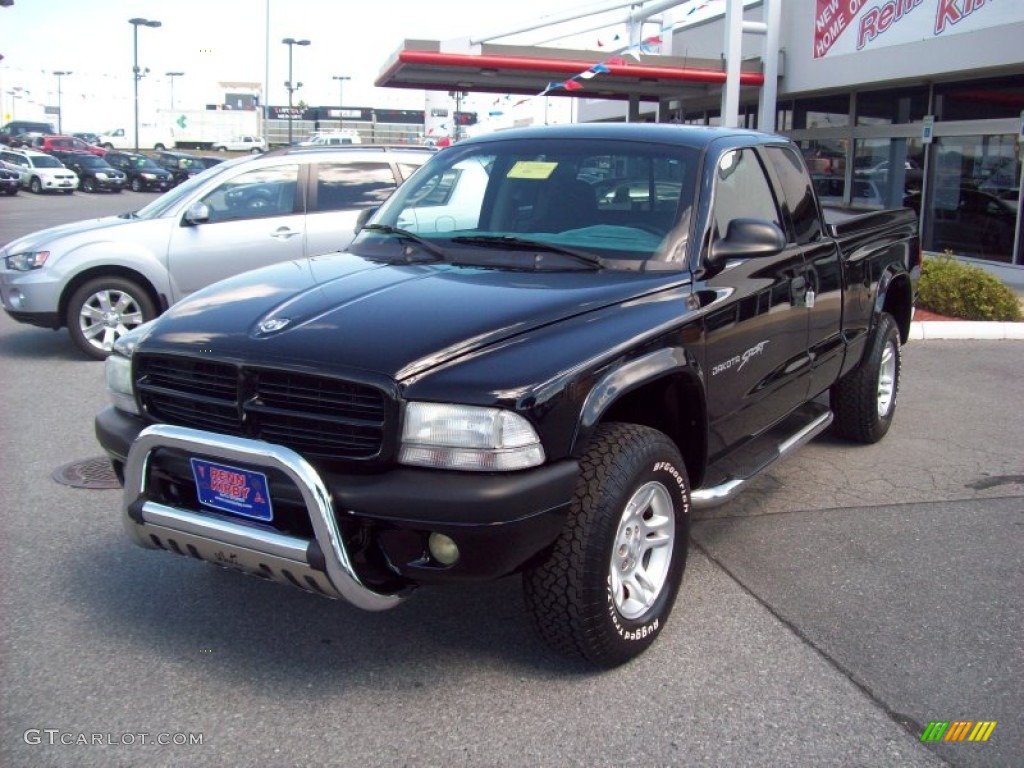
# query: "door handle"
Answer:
x=797 y=291
x=283 y=233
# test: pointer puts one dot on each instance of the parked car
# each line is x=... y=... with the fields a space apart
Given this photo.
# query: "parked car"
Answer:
x=95 y=174
x=251 y=144
x=533 y=394
x=970 y=222
x=13 y=133
x=144 y=175
x=180 y=165
x=102 y=277
x=41 y=172
x=337 y=139
x=9 y=181
x=66 y=143
x=209 y=161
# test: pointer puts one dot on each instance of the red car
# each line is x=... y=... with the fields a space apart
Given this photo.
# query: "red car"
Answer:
x=65 y=144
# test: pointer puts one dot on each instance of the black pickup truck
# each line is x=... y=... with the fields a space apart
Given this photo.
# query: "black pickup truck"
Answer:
x=544 y=351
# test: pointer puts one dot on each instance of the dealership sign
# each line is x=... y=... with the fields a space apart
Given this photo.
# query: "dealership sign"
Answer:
x=849 y=26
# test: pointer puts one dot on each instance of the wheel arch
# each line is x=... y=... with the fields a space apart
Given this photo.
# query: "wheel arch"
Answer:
x=109 y=271
x=896 y=297
x=661 y=390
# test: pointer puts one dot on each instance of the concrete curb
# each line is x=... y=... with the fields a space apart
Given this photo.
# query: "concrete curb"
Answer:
x=929 y=330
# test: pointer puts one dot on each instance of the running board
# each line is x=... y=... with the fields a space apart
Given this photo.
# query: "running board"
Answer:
x=735 y=471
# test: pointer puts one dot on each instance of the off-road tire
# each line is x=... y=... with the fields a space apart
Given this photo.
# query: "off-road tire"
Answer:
x=864 y=400
x=104 y=309
x=577 y=607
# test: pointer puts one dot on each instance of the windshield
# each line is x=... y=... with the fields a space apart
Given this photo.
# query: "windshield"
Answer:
x=47 y=162
x=543 y=204
x=170 y=200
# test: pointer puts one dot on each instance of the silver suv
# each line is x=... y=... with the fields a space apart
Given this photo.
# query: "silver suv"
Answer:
x=101 y=278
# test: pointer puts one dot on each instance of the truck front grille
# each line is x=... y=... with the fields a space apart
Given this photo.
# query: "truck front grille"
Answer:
x=318 y=416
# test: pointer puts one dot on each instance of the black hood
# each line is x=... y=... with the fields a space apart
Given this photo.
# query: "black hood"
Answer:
x=342 y=312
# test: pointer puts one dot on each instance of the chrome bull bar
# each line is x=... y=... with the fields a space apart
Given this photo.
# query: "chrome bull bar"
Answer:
x=321 y=565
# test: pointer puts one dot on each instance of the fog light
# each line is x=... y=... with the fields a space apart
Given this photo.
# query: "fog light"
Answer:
x=443 y=549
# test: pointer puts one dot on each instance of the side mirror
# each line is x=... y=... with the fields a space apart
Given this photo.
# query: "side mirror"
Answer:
x=364 y=216
x=197 y=213
x=748 y=239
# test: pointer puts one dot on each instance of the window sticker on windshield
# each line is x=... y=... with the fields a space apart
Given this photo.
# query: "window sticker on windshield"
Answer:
x=531 y=169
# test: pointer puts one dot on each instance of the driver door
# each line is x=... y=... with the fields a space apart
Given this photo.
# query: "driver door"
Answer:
x=257 y=218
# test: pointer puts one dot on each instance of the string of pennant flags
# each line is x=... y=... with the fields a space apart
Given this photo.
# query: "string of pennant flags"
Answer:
x=647 y=46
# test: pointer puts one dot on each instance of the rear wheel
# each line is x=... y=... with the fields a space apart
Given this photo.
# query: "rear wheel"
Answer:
x=864 y=400
x=609 y=584
x=104 y=309
x=159 y=147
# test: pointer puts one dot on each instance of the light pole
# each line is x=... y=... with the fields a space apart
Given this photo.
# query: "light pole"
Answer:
x=60 y=112
x=136 y=74
x=290 y=84
x=173 y=75
x=341 y=98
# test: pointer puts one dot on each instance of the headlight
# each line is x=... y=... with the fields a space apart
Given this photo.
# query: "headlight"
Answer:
x=468 y=437
x=101 y=175
x=24 y=262
x=148 y=175
x=118 y=370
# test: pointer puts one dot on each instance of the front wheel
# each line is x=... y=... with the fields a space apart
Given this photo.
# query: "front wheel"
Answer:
x=864 y=400
x=103 y=310
x=36 y=185
x=88 y=186
x=608 y=586
x=136 y=185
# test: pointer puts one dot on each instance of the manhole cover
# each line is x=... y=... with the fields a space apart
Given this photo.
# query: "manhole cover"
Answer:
x=87 y=473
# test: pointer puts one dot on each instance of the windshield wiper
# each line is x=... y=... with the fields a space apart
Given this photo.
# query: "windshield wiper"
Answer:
x=525 y=244
x=405 y=234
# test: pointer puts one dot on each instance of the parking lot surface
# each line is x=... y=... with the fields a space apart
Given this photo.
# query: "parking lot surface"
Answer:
x=850 y=597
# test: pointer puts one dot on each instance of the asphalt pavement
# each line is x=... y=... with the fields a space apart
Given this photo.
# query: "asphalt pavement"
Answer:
x=851 y=596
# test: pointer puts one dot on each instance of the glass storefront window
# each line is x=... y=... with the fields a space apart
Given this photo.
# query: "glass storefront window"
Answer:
x=974 y=189
x=784 y=116
x=980 y=99
x=826 y=162
x=885 y=171
x=908 y=105
x=822 y=112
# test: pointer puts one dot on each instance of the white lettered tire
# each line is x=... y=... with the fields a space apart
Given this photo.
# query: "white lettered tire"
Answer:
x=608 y=586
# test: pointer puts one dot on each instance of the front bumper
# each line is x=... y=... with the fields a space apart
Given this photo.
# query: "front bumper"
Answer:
x=360 y=537
x=30 y=297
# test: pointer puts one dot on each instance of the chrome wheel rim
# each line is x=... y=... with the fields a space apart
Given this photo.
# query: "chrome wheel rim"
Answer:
x=106 y=316
x=887 y=380
x=642 y=552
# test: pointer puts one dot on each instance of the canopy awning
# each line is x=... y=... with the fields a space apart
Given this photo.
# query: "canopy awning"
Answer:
x=422 y=64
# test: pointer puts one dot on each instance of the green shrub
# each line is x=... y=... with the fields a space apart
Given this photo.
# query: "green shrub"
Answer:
x=957 y=289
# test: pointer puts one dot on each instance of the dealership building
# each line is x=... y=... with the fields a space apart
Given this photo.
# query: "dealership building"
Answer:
x=893 y=102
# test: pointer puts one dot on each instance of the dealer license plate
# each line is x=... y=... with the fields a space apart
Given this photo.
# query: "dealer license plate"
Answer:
x=230 y=489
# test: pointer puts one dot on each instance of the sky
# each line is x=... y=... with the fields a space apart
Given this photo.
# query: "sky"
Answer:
x=226 y=40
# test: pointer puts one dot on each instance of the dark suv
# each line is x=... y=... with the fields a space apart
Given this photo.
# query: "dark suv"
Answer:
x=143 y=173
x=94 y=173
x=181 y=166
x=11 y=133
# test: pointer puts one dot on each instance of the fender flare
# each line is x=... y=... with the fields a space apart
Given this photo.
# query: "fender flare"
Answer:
x=625 y=378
